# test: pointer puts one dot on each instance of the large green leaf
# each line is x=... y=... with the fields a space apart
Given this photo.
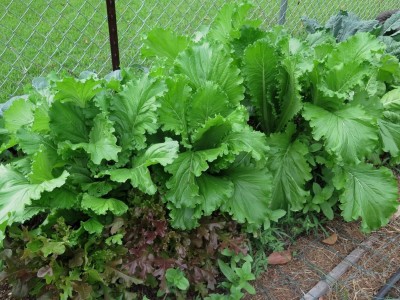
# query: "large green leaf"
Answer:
x=19 y=114
x=251 y=197
x=211 y=134
x=42 y=118
x=391 y=101
x=43 y=162
x=174 y=108
x=77 y=91
x=358 y=48
x=30 y=141
x=208 y=102
x=390 y=136
x=204 y=63
x=102 y=142
x=349 y=133
x=184 y=218
x=261 y=68
x=135 y=111
x=368 y=193
x=230 y=19
x=68 y=123
x=340 y=80
x=249 y=141
x=101 y=206
x=289 y=98
x=214 y=191
x=16 y=192
x=59 y=198
x=164 y=43
x=139 y=175
x=183 y=188
x=290 y=171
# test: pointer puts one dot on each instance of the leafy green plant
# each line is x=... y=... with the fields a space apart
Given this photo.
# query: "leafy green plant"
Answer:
x=324 y=106
x=132 y=185
x=238 y=274
x=222 y=160
x=346 y=24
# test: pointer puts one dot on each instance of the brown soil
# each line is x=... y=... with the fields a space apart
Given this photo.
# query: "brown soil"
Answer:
x=313 y=260
x=5 y=291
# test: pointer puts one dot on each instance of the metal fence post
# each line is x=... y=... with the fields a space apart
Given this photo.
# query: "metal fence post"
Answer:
x=112 y=28
x=282 y=12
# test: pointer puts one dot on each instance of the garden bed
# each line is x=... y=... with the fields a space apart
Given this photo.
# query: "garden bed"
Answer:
x=313 y=260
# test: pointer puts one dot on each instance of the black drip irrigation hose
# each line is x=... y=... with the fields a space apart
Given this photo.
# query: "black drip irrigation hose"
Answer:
x=388 y=286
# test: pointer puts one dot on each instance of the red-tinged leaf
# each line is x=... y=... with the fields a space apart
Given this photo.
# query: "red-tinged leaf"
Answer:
x=42 y=272
x=84 y=290
x=331 y=240
x=279 y=258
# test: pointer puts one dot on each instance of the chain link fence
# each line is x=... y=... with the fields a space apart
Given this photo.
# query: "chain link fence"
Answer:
x=70 y=36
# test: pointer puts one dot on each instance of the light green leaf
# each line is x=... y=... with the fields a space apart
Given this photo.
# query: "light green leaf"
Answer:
x=250 y=141
x=102 y=142
x=98 y=188
x=164 y=43
x=59 y=198
x=77 y=91
x=174 y=107
x=43 y=162
x=391 y=100
x=183 y=188
x=349 y=133
x=30 y=141
x=213 y=191
x=290 y=171
x=176 y=278
x=93 y=226
x=251 y=197
x=139 y=175
x=161 y=153
x=390 y=136
x=41 y=118
x=184 y=218
x=135 y=111
x=16 y=192
x=227 y=271
x=230 y=19
x=261 y=68
x=358 y=48
x=101 y=206
x=56 y=248
x=208 y=102
x=340 y=80
x=290 y=101
x=368 y=193
x=205 y=63
x=19 y=114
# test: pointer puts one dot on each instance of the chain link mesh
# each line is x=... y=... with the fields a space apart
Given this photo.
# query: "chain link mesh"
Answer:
x=40 y=36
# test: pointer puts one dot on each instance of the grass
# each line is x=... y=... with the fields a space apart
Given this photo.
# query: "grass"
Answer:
x=40 y=36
